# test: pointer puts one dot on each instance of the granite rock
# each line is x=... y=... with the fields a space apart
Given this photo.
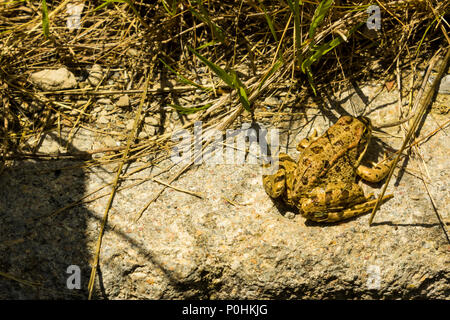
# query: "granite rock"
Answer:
x=233 y=243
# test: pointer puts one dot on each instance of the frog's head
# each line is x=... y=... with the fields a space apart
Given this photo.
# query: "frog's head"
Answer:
x=275 y=184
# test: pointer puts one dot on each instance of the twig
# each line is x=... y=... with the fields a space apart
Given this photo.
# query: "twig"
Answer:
x=196 y=194
x=438 y=215
x=416 y=121
x=25 y=282
x=131 y=138
x=121 y=92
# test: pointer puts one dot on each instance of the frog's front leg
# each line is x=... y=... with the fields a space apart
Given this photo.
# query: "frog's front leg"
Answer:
x=275 y=184
x=375 y=174
x=305 y=142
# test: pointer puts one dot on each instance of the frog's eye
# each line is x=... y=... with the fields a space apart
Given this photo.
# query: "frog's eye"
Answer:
x=279 y=178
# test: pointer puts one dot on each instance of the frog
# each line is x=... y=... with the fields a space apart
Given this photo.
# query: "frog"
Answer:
x=322 y=183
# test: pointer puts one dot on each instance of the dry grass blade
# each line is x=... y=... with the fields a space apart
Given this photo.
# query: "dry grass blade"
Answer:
x=192 y=193
x=435 y=208
x=131 y=138
x=25 y=282
x=412 y=129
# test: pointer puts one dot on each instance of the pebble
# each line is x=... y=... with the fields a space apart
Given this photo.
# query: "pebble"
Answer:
x=272 y=101
x=444 y=87
x=52 y=80
x=109 y=141
x=152 y=120
x=124 y=101
x=290 y=215
x=95 y=75
x=80 y=103
x=103 y=120
x=151 y=131
x=104 y=101
x=97 y=109
x=53 y=148
x=129 y=124
x=143 y=135
x=133 y=52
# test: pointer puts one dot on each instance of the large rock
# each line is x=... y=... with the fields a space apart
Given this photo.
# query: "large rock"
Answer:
x=232 y=244
x=52 y=80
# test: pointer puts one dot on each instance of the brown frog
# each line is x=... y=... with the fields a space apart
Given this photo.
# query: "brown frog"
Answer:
x=322 y=183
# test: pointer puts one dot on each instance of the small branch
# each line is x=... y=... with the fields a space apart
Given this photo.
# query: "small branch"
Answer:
x=417 y=119
x=195 y=194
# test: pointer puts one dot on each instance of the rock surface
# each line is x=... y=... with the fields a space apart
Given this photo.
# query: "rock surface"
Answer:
x=233 y=243
x=52 y=80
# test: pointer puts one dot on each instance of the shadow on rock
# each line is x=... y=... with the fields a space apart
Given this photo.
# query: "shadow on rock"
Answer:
x=36 y=247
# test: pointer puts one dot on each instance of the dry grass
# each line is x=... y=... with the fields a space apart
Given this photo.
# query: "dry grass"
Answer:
x=266 y=44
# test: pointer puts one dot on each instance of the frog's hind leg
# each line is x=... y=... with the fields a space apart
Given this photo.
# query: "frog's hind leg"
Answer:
x=354 y=211
x=377 y=173
x=336 y=202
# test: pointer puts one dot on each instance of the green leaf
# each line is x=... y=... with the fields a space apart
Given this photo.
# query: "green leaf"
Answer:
x=171 y=11
x=311 y=79
x=319 y=15
x=184 y=110
x=210 y=43
x=274 y=68
x=222 y=74
x=324 y=49
x=45 y=21
x=320 y=51
x=184 y=79
x=425 y=33
x=269 y=21
x=294 y=6
x=204 y=17
x=241 y=91
x=231 y=79
x=244 y=99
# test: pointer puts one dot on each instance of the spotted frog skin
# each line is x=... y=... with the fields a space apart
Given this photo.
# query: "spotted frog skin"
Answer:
x=322 y=183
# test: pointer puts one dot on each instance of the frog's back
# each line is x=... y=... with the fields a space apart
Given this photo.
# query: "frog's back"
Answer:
x=332 y=155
